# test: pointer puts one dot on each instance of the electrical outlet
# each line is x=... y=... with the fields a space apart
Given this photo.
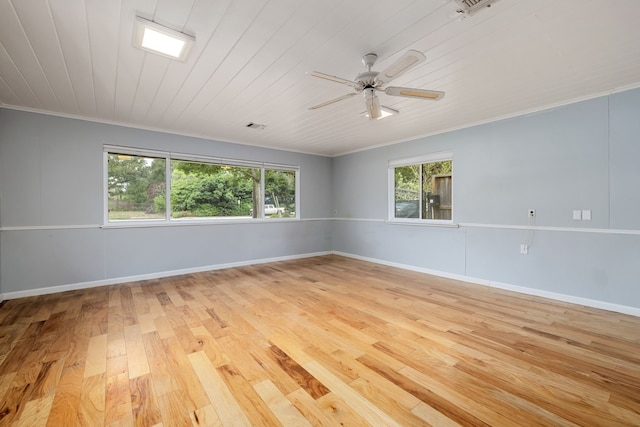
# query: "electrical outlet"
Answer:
x=531 y=213
x=524 y=249
x=335 y=212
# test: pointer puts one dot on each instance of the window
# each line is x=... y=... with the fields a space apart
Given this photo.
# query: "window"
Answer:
x=279 y=193
x=421 y=187
x=205 y=190
x=151 y=186
x=135 y=185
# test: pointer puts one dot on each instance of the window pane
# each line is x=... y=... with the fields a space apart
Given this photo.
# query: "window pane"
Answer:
x=136 y=187
x=203 y=190
x=407 y=191
x=436 y=190
x=280 y=194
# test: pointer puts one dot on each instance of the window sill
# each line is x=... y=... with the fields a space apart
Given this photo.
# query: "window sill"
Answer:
x=191 y=222
x=424 y=223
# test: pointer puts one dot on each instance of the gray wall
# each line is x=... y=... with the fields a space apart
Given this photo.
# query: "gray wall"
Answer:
x=580 y=156
x=51 y=188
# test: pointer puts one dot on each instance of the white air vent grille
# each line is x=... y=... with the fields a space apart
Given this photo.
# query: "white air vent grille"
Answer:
x=469 y=7
x=258 y=126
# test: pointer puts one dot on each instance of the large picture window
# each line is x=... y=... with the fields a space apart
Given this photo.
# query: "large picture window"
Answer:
x=421 y=187
x=203 y=190
x=150 y=186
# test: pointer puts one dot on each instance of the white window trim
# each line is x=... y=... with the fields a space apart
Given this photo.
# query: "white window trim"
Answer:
x=440 y=156
x=169 y=156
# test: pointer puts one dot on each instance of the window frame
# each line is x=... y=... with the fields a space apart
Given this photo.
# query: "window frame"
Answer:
x=441 y=156
x=169 y=156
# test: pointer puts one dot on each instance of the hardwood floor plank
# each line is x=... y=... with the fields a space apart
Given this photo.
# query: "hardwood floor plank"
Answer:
x=117 y=399
x=210 y=346
x=426 y=395
x=300 y=375
x=367 y=410
x=161 y=374
x=36 y=412
x=64 y=410
x=205 y=417
x=340 y=412
x=186 y=379
x=227 y=408
x=137 y=362
x=14 y=402
x=144 y=403
x=282 y=407
x=251 y=366
x=48 y=379
x=5 y=386
x=381 y=399
x=96 y=362
x=252 y=404
x=432 y=417
x=91 y=405
x=310 y=408
x=172 y=410
x=16 y=356
x=322 y=341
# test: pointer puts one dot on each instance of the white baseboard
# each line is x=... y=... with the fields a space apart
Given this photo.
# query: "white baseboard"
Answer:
x=634 y=311
x=158 y=275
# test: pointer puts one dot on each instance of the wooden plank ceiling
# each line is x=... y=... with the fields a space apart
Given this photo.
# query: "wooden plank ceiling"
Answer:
x=251 y=59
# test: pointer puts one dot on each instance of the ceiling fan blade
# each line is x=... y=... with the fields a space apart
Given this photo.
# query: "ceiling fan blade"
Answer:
x=409 y=92
x=332 y=101
x=410 y=59
x=333 y=78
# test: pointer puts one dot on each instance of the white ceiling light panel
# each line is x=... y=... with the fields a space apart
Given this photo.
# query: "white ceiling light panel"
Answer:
x=155 y=38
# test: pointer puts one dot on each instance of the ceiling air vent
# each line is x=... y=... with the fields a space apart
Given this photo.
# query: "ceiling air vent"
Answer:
x=469 y=7
x=258 y=126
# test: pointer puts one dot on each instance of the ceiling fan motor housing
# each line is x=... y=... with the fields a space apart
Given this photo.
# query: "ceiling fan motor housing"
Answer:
x=369 y=59
x=367 y=79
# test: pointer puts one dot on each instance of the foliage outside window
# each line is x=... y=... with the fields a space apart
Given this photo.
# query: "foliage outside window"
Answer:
x=422 y=188
x=138 y=187
x=202 y=190
x=135 y=184
x=279 y=193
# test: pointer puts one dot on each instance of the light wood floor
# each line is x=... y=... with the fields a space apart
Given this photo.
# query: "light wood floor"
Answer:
x=318 y=341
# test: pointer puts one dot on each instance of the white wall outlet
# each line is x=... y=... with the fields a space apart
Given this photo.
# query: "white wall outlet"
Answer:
x=577 y=215
x=335 y=212
x=524 y=249
x=531 y=213
x=586 y=215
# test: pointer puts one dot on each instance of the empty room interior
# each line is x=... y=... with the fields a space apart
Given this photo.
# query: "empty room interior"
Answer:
x=296 y=212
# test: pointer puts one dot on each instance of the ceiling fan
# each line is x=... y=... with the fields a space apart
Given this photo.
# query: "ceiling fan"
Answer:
x=369 y=82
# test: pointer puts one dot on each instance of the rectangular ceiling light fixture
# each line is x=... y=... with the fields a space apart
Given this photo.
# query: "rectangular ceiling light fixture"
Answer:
x=155 y=38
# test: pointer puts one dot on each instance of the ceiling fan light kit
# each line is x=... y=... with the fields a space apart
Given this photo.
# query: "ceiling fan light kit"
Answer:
x=384 y=112
x=369 y=82
x=373 y=104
